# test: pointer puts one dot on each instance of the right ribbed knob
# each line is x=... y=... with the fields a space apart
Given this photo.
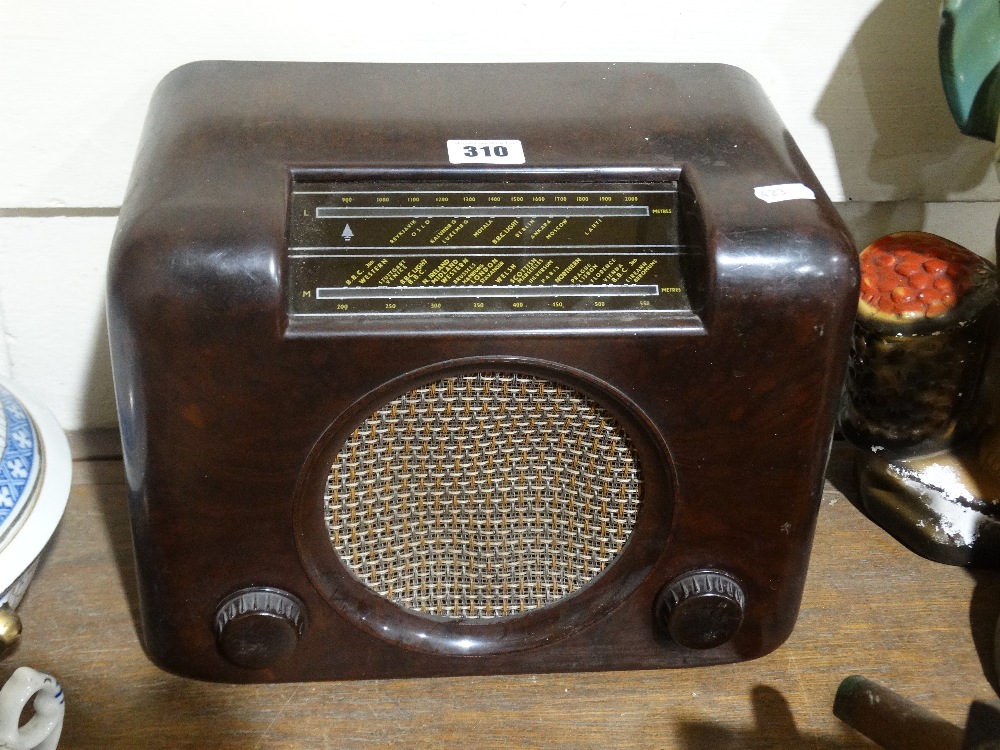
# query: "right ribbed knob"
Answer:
x=701 y=609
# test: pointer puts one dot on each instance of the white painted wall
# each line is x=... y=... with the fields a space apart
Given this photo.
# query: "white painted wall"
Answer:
x=856 y=82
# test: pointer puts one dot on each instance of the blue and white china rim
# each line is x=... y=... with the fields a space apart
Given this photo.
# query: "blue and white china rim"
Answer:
x=20 y=461
x=34 y=486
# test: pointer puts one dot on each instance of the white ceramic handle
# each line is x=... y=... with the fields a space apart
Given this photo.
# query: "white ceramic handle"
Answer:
x=43 y=729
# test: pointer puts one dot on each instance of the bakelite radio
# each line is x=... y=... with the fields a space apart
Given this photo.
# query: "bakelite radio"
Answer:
x=471 y=369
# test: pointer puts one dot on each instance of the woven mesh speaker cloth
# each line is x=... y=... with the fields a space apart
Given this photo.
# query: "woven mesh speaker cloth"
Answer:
x=483 y=495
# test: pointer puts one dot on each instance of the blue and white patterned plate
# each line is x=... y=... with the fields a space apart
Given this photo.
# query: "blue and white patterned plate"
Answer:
x=19 y=461
x=35 y=477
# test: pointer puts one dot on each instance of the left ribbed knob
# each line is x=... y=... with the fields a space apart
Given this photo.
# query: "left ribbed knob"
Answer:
x=258 y=627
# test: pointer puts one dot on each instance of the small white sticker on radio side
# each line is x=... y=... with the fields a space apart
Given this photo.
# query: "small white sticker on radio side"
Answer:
x=485 y=152
x=793 y=191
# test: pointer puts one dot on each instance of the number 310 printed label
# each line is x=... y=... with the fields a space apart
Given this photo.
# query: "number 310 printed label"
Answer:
x=485 y=152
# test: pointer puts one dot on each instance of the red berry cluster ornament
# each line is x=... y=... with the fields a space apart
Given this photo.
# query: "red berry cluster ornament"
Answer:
x=916 y=275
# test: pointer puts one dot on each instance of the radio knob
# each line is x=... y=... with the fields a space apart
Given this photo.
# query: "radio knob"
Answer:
x=257 y=627
x=701 y=609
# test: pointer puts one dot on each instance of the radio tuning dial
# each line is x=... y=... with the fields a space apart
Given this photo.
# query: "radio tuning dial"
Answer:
x=257 y=627
x=701 y=609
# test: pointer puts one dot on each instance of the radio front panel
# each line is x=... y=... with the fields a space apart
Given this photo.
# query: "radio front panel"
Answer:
x=388 y=412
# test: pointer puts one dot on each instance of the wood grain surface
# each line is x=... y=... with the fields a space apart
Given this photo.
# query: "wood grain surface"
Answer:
x=870 y=607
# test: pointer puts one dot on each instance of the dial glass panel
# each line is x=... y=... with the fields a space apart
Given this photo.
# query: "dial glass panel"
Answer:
x=394 y=248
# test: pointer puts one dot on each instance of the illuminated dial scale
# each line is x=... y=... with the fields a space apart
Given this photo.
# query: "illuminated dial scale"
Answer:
x=425 y=248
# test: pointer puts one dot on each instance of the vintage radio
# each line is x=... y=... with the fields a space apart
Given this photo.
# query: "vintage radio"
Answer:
x=468 y=369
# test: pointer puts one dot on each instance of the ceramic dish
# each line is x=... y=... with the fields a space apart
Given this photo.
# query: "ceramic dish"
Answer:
x=969 y=58
x=35 y=474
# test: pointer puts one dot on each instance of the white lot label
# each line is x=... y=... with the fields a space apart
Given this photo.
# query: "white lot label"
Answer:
x=485 y=152
x=790 y=192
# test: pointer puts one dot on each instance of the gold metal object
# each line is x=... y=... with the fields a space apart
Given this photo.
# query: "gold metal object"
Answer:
x=10 y=629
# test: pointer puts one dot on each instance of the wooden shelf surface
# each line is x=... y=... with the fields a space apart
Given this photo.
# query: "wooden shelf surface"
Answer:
x=871 y=607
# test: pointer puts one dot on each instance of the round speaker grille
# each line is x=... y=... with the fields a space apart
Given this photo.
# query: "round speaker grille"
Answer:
x=483 y=495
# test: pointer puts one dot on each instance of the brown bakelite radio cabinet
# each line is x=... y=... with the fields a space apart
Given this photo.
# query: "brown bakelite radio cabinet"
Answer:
x=472 y=369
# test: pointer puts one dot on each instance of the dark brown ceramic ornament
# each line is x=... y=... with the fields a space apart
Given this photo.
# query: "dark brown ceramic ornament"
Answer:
x=916 y=400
